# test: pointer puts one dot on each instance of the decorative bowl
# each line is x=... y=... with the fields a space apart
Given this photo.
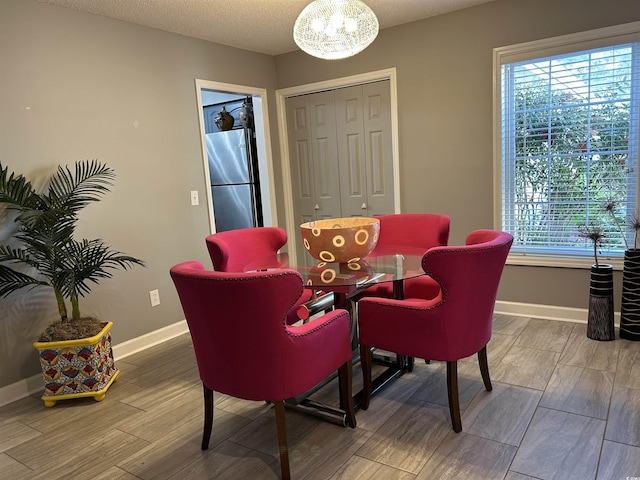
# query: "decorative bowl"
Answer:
x=340 y=240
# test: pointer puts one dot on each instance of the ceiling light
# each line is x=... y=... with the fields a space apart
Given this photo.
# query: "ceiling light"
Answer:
x=334 y=29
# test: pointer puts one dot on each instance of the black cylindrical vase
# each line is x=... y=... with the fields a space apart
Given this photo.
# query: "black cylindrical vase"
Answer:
x=630 y=306
x=600 y=320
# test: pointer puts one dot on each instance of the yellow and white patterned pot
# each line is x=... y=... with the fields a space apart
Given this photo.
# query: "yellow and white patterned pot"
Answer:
x=77 y=368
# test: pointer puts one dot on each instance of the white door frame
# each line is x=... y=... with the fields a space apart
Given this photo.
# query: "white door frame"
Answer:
x=263 y=144
x=281 y=97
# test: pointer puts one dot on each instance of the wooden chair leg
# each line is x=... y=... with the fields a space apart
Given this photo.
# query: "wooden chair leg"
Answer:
x=365 y=363
x=208 y=416
x=282 y=440
x=452 y=391
x=484 y=368
x=345 y=374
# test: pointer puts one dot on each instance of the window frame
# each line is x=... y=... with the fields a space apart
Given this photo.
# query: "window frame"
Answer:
x=566 y=44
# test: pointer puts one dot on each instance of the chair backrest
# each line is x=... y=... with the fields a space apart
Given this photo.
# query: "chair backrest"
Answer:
x=230 y=251
x=469 y=276
x=238 y=326
x=420 y=230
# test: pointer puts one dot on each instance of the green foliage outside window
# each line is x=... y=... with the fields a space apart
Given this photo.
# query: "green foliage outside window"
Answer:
x=570 y=152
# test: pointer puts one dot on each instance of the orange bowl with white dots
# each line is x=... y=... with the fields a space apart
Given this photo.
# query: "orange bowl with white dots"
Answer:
x=340 y=240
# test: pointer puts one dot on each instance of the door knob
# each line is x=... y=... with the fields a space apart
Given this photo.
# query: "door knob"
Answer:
x=317 y=207
x=364 y=206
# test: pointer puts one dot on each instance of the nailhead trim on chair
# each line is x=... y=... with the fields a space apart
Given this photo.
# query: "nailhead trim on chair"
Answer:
x=275 y=274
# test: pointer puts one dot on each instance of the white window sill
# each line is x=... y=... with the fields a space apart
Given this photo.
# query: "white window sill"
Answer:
x=561 y=261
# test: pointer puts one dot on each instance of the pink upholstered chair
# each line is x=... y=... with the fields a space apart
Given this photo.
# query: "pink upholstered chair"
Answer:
x=454 y=325
x=235 y=318
x=230 y=251
x=419 y=230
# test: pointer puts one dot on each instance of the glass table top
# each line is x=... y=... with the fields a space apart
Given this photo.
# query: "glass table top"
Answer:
x=388 y=265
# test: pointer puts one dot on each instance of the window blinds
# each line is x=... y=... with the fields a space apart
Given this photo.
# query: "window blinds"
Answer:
x=569 y=144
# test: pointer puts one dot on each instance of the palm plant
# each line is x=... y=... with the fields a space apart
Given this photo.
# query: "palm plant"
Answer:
x=45 y=238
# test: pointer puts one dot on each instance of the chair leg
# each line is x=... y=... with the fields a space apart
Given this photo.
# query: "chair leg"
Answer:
x=345 y=374
x=484 y=368
x=282 y=440
x=365 y=363
x=452 y=391
x=208 y=416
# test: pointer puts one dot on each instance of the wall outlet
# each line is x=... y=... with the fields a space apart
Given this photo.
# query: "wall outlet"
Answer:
x=154 y=296
x=194 y=198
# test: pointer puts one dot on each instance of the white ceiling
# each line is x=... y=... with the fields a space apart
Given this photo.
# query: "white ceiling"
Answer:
x=263 y=26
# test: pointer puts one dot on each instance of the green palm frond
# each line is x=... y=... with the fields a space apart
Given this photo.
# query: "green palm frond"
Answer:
x=46 y=227
x=90 y=261
x=15 y=190
x=13 y=255
x=12 y=280
x=73 y=191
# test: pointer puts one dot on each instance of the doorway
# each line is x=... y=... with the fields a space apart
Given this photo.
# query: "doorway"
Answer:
x=243 y=196
x=282 y=96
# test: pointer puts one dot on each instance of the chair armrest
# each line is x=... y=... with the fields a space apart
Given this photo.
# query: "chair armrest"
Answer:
x=326 y=336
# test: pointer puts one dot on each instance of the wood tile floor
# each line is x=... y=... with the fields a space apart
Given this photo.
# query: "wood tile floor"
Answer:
x=562 y=407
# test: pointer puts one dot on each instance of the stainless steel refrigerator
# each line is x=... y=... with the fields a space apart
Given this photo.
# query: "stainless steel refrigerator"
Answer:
x=234 y=182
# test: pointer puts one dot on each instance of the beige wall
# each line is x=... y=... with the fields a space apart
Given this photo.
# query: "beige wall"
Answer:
x=445 y=73
x=124 y=94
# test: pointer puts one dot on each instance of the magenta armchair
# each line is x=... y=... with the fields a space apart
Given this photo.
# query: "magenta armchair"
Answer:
x=418 y=230
x=230 y=251
x=235 y=318
x=454 y=325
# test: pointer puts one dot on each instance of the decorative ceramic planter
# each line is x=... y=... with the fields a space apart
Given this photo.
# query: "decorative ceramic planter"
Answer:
x=630 y=305
x=77 y=368
x=600 y=319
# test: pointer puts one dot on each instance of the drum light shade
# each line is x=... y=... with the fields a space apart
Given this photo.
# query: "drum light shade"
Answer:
x=335 y=29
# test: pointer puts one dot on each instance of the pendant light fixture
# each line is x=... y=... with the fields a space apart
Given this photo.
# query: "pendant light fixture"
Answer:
x=335 y=29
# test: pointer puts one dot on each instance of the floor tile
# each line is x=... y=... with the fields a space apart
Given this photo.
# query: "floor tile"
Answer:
x=628 y=372
x=624 y=416
x=358 y=468
x=560 y=445
x=526 y=367
x=503 y=414
x=15 y=433
x=434 y=388
x=582 y=351
x=579 y=390
x=77 y=453
x=619 y=461
x=545 y=335
x=12 y=469
x=409 y=437
x=518 y=476
x=114 y=473
x=466 y=456
x=230 y=461
x=509 y=324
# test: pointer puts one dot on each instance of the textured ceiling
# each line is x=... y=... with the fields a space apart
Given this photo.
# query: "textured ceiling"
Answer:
x=263 y=26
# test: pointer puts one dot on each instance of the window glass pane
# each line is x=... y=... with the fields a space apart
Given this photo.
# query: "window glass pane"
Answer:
x=570 y=145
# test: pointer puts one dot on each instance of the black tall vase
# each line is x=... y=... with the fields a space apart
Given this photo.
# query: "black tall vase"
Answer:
x=600 y=320
x=630 y=306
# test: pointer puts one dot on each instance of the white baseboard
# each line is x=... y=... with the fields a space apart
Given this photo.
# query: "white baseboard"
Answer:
x=547 y=312
x=135 y=345
x=33 y=384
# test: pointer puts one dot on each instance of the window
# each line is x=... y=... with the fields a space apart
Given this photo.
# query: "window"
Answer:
x=568 y=143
